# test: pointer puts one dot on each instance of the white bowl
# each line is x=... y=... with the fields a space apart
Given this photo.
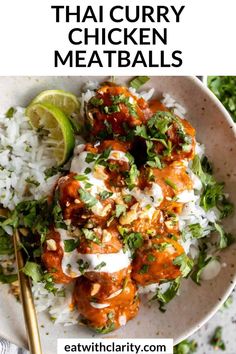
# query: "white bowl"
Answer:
x=196 y=304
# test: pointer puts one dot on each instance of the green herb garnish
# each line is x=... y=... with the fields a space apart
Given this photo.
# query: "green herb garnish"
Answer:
x=144 y=269
x=10 y=112
x=88 y=199
x=33 y=270
x=91 y=236
x=216 y=340
x=120 y=209
x=100 y=266
x=70 y=245
x=168 y=295
x=185 y=347
x=139 y=81
x=105 y=195
x=185 y=263
x=202 y=262
x=224 y=87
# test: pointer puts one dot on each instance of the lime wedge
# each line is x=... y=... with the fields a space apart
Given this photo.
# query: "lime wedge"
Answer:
x=55 y=128
x=66 y=101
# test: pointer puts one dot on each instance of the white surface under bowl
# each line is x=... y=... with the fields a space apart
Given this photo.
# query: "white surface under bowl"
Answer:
x=196 y=304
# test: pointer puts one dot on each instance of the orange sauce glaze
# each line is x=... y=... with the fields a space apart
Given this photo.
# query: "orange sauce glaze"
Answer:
x=52 y=259
x=117 y=119
x=154 y=263
x=124 y=305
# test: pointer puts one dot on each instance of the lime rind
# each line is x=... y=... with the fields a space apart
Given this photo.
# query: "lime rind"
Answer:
x=64 y=100
x=56 y=127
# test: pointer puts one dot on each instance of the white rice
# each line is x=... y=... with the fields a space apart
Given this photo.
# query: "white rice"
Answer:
x=23 y=156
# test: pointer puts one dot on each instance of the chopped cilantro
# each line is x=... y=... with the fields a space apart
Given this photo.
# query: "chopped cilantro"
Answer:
x=196 y=230
x=168 y=295
x=125 y=100
x=228 y=302
x=10 y=112
x=213 y=195
x=139 y=81
x=80 y=178
x=224 y=87
x=90 y=157
x=141 y=131
x=127 y=198
x=151 y=257
x=87 y=170
x=7 y=278
x=226 y=239
x=6 y=244
x=185 y=347
x=120 y=209
x=161 y=246
x=144 y=269
x=216 y=340
x=105 y=195
x=31 y=180
x=58 y=217
x=87 y=198
x=202 y=262
x=153 y=159
x=70 y=245
x=171 y=184
x=96 y=102
x=33 y=270
x=100 y=266
x=132 y=176
x=185 y=263
x=133 y=240
x=91 y=236
x=83 y=266
x=49 y=172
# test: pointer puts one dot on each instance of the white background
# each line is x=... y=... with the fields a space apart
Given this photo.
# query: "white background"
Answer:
x=29 y=35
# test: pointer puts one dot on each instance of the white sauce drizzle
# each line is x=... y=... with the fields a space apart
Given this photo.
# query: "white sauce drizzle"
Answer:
x=149 y=196
x=96 y=305
x=113 y=262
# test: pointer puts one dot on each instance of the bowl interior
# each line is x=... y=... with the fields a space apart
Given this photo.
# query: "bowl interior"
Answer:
x=197 y=303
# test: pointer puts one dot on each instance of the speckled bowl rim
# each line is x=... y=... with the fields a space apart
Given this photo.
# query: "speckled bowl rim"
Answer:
x=202 y=85
x=188 y=332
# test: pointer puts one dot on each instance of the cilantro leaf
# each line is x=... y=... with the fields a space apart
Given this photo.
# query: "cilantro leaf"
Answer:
x=196 y=230
x=132 y=177
x=88 y=199
x=226 y=239
x=216 y=340
x=185 y=263
x=120 y=209
x=105 y=195
x=202 y=262
x=91 y=236
x=133 y=240
x=33 y=270
x=100 y=266
x=70 y=245
x=224 y=87
x=6 y=245
x=10 y=112
x=165 y=297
